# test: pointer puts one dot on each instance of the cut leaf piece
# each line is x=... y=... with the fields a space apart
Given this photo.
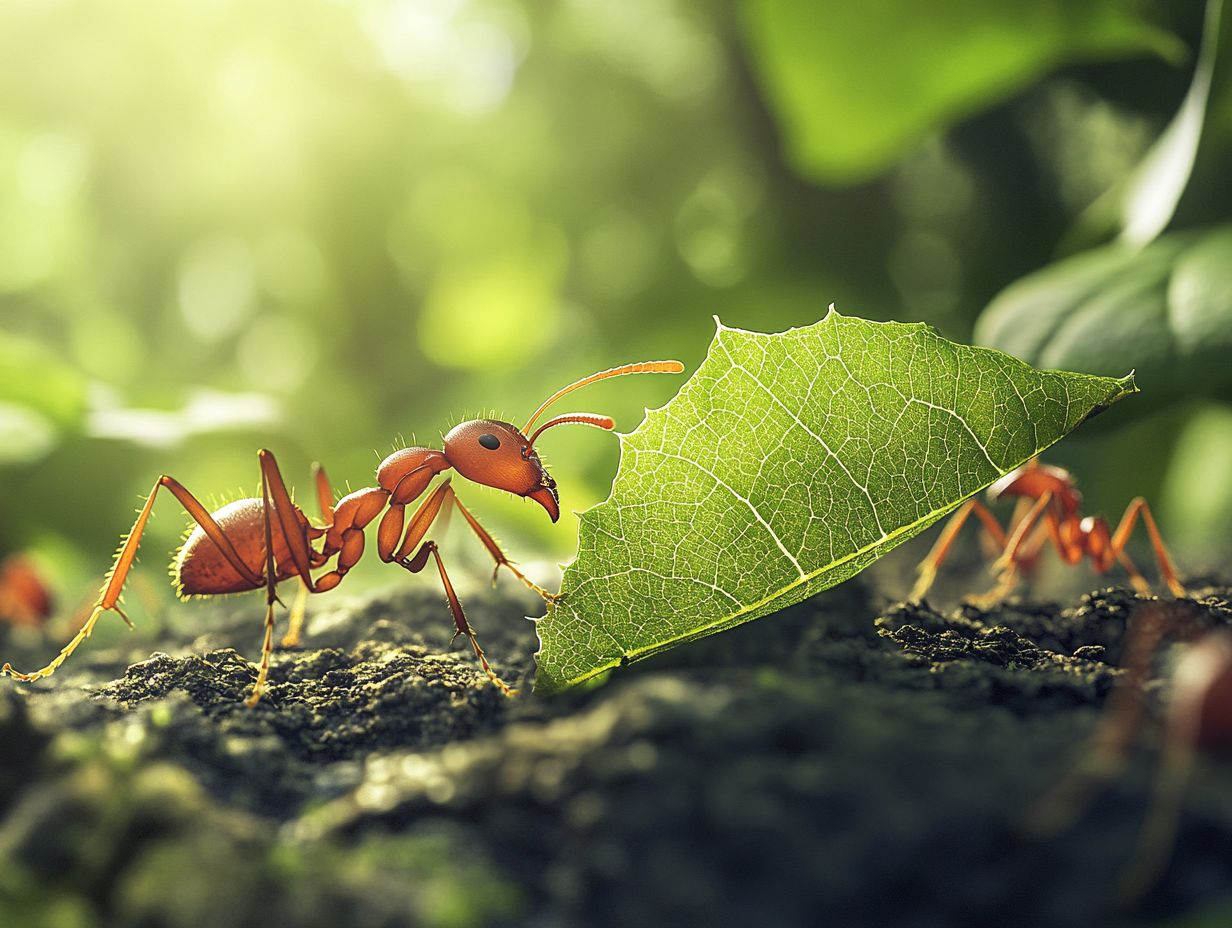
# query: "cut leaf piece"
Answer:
x=787 y=464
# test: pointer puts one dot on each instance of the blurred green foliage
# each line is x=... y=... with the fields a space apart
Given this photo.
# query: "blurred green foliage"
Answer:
x=328 y=226
x=854 y=83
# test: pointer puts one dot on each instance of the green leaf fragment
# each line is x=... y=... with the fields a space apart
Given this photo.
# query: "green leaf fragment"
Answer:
x=785 y=465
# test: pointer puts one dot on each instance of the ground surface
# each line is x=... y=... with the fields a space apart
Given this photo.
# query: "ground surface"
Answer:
x=848 y=763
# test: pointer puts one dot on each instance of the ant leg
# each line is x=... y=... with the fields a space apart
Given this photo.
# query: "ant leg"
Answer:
x=271 y=597
x=941 y=549
x=296 y=626
x=1136 y=580
x=325 y=493
x=1018 y=538
x=1006 y=565
x=459 y=617
x=420 y=522
x=1121 y=536
x=345 y=536
x=325 y=500
x=417 y=528
x=109 y=596
x=295 y=534
x=499 y=556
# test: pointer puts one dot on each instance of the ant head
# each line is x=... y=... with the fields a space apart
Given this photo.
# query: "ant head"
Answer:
x=499 y=455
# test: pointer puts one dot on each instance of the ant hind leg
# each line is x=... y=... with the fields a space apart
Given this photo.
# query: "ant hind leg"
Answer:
x=109 y=597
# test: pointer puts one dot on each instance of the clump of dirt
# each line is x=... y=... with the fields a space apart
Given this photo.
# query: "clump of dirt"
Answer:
x=836 y=763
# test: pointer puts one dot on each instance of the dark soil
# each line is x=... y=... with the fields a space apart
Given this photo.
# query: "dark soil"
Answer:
x=841 y=763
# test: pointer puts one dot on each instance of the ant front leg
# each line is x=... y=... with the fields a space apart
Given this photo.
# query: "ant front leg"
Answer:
x=498 y=555
x=1017 y=546
x=113 y=586
x=417 y=529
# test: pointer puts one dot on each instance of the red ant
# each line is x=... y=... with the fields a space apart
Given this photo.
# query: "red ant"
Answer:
x=1199 y=718
x=24 y=598
x=254 y=543
x=1056 y=516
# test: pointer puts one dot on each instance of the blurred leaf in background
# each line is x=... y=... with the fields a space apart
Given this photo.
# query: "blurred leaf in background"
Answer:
x=855 y=85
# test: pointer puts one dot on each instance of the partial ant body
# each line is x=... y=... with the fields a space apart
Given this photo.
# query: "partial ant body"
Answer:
x=24 y=597
x=1049 y=510
x=1198 y=719
x=254 y=543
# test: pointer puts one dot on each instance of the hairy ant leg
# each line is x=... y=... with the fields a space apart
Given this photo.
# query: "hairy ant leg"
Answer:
x=417 y=529
x=113 y=586
x=498 y=555
x=271 y=589
x=462 y=626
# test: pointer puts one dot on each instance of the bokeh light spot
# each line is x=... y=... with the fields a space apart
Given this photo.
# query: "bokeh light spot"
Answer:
x=25 y=435
x=493 y=314
x=291 y=266
x=217 y=291
x=107 y=345
x=710 y=225
x=617 y=255
x=278 y=353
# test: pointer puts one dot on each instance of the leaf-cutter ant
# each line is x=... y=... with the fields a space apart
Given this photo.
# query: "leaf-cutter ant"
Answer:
x=24 y=597
x=254 y=543
x=1198 y=718
x=1049 y=510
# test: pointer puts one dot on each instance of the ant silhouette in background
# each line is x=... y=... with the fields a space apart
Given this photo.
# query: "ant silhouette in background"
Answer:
x=253 y=543
x=1049 y=510
x=24 y=597
x=1198 y=719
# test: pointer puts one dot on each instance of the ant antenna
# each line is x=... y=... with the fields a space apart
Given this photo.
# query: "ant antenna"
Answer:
x=639 y=367
x=579 y=418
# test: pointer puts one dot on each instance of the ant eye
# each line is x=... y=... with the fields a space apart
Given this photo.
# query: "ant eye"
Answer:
x=489 y=441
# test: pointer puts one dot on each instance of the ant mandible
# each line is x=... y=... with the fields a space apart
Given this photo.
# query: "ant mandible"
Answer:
x=1198 y=719
x=254 y=543
x=1049 y=510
